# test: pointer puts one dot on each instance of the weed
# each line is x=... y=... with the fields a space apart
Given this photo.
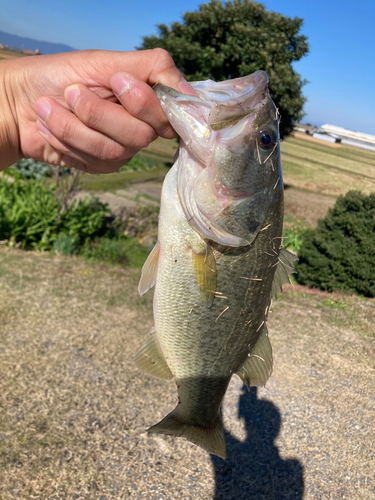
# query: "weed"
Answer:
x=139 y=163
x=115 y=251
x=293 y=233
x=335 y=304
x=66 y=245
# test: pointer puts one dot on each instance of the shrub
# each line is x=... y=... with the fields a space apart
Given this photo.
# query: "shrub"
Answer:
x=30 y=169
x=30 y=215
x=340 y=253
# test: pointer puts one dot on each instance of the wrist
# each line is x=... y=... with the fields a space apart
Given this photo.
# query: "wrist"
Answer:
x=9 y=136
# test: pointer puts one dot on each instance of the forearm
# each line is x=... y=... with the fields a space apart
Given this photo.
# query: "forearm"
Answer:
x=9 y=137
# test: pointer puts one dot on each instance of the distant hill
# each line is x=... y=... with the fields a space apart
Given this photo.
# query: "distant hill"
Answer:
x=20 y=42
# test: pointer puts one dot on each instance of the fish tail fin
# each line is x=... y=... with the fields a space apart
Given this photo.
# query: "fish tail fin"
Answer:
x=210 y=438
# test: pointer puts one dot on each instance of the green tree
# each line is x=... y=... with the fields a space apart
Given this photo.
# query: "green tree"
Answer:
x=222 y=41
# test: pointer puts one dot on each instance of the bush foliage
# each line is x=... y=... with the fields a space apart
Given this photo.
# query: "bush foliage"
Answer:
x=31 y=216
x=340 y=253
x=30 y=169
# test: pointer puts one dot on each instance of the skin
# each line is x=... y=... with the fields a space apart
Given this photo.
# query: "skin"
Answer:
x=91 y=110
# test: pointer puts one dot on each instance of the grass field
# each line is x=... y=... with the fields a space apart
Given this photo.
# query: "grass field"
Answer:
x=9 y=54
x=322 y=169
x=74 y=408
x=308 y=166
x=314 y=174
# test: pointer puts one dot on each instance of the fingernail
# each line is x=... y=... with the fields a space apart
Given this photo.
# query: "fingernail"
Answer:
x=44 y=130
x=121 y=83
x=185 y=88
x=42 y=109
x=71 y=94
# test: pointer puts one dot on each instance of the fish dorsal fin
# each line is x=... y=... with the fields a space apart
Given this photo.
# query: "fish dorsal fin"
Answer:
x=284 y=269
x=204 y=264
x=149 y=270
x=257 y=368
x=150 y=359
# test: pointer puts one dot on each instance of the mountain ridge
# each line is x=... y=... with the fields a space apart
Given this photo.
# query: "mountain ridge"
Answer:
x=20 y=42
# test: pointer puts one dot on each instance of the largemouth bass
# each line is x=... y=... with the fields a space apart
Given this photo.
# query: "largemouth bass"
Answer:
x=218 y=261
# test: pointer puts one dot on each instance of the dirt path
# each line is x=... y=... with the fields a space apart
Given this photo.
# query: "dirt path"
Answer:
x=74 y=408
x=146 y=193
x=306 y=205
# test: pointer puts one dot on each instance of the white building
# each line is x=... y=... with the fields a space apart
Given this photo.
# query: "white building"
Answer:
x=349 y=137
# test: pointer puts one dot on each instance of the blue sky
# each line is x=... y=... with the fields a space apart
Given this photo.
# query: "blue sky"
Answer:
x=340 y=67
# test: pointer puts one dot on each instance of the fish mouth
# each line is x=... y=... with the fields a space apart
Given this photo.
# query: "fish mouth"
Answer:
x=234 y=100
x=218 y=105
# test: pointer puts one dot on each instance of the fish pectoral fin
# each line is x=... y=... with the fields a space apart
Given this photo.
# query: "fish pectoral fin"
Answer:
x=257 y=368
x=210 y=438
x=149 y=270
x=284 y=269
x=150 y=359
x=204 y=264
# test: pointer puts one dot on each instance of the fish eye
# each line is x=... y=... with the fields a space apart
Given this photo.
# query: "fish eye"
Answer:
x=267 y=139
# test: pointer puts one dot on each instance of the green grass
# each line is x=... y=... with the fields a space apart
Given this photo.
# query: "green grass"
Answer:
x=306 y=165
x=119 y=180
x=326 y=170
x=152 y=163
x=116 y=251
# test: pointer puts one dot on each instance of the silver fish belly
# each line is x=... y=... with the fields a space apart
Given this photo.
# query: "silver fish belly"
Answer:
x=218 y=261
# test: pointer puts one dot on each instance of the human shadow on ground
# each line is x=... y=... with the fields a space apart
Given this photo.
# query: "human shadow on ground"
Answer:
x=254 y=470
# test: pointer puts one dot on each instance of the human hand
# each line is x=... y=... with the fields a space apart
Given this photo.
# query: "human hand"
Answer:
x=91 y=110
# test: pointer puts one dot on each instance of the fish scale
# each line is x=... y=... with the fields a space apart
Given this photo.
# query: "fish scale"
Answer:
x=217 y=263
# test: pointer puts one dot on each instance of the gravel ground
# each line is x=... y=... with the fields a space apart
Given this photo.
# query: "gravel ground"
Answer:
x=74 y=408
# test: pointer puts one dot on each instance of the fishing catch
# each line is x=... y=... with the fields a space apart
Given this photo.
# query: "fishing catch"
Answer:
x=218 y=261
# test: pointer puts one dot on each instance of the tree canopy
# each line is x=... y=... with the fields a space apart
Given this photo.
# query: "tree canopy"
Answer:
x=221 y=41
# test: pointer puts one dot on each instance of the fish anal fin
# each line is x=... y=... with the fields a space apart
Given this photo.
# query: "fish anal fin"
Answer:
x=149 y=270
x=204 y=265
x=150 y=359
x=210 y=438
x=257 y=368
x=284 y=269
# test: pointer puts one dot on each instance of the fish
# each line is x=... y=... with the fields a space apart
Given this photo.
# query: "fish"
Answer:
x=218 y=261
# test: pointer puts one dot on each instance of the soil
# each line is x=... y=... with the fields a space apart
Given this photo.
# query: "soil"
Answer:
x=75 y=409
x=306 y=205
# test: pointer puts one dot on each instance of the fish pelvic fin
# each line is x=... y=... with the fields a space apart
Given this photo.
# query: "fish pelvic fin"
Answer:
x=210 y=438
x=284 y=269
x=150 y=359
x=257 y=368
x=149 y=270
